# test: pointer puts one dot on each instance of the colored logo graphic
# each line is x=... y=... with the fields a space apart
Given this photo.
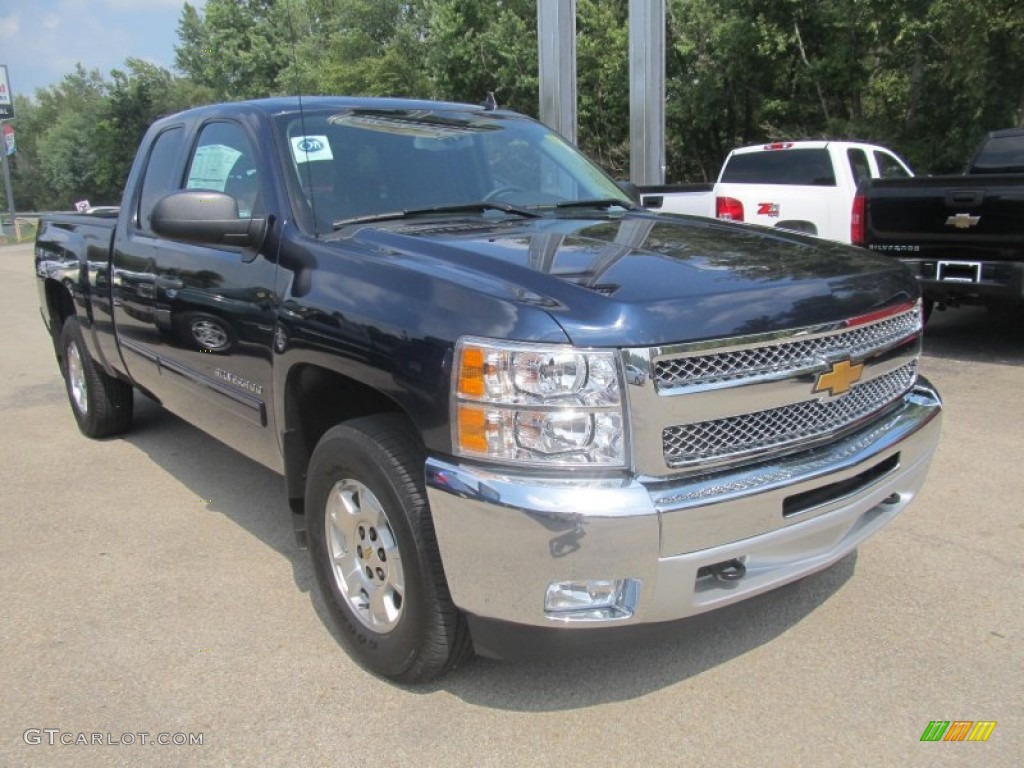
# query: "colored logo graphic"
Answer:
x=958 y=730
x=839 y=378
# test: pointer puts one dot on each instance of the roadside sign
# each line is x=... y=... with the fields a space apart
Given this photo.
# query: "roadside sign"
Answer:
x=6 y=97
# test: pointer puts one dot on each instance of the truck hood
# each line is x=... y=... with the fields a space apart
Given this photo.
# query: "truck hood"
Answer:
x=645 y=280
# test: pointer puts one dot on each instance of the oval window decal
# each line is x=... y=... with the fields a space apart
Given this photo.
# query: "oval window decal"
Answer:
x=310 y=149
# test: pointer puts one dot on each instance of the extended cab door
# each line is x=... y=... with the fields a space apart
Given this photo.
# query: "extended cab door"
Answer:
x=196 y=323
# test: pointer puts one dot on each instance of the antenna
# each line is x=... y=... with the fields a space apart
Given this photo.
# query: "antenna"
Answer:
x=298 y=88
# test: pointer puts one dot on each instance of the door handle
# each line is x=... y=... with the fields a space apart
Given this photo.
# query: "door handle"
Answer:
x=960 y=198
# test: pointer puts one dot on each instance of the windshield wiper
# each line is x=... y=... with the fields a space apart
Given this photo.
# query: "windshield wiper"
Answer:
x=484 y=205
x=603 y=203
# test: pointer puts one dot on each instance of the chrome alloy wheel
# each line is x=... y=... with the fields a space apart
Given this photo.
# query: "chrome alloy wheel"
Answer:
x=364 y=556
x=209 y=335
x=76 y=378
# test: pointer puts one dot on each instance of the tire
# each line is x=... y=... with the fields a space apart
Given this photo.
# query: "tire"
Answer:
x=102 y=404
x=375 y=553
x=207 y=332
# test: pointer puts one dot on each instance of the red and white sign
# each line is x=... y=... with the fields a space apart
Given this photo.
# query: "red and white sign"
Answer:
x=6 y=97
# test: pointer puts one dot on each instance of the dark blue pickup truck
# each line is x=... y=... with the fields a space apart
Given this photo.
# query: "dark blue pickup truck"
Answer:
x=507 y=402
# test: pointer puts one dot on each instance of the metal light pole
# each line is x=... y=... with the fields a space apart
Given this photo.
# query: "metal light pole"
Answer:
x=556 y=43
x=647 y=91
x=556 y=47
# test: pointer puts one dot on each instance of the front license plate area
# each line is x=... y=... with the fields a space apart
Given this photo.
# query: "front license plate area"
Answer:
x=959 y=271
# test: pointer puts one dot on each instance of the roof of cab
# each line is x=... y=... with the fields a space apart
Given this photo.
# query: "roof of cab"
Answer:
x=286 y=104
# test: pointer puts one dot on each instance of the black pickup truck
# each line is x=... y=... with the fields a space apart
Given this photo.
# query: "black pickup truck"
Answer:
x=963 y=236
x=508 y=403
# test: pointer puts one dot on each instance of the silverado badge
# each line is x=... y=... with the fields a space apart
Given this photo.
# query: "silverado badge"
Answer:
x=963 y=221
x=839 y=378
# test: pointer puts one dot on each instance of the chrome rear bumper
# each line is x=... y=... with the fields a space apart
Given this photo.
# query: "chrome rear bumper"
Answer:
x=504 y=537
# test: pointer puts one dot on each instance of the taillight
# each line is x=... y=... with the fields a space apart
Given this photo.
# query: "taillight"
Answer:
x=776 y=145
x=728 y=209
x=857 y=234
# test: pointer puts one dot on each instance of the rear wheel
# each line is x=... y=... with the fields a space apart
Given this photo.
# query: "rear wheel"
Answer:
x=102 y=404
x=375 y=554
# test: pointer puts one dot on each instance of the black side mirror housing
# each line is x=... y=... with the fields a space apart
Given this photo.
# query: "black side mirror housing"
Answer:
x=206 y=217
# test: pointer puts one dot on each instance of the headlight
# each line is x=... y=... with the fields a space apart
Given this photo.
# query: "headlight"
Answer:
x=538 y=404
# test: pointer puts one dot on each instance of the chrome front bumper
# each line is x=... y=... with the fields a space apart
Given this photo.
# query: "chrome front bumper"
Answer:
x=504 y=537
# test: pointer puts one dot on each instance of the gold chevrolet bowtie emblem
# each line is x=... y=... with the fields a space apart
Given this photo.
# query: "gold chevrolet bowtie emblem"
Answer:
x=963 y=221
x=839 y=378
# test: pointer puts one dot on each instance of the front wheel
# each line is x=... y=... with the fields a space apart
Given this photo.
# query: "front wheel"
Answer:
x=102 y=405
x=375 y=554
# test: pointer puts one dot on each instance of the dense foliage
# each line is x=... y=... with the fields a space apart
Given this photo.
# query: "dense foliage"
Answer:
x=925 y=77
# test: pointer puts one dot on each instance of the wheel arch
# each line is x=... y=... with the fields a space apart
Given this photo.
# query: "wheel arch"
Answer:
x=798 y=225
x=60 y=305
x=317 y=398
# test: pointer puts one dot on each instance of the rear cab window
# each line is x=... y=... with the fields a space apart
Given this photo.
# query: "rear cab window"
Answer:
x=801 y=167
x=161 y=174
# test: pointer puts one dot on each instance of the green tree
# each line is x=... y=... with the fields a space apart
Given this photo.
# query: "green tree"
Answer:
x=66 y=153
x=602 y=65
x=31 y=192
x=476 y=46
x=236 y=48
x=355 y=47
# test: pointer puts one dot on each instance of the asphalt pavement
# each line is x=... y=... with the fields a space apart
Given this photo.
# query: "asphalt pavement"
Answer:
x=152 y=592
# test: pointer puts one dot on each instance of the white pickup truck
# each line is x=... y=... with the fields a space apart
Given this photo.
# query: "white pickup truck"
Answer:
x=804 y=186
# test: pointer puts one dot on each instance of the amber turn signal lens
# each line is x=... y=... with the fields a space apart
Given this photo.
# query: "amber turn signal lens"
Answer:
x=472 y=430
x=471 y=372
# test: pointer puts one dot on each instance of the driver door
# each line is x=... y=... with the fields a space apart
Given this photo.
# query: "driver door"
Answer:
x=198 y=328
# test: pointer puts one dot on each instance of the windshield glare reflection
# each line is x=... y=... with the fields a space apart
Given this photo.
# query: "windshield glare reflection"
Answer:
x=362 y=163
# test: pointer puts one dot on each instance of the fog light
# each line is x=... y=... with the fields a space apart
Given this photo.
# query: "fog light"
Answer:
x=591 y=600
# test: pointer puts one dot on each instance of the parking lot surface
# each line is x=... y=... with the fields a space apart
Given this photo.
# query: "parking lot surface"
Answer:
x=151 y=585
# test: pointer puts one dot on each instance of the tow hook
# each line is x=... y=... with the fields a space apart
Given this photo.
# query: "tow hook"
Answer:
x=730 y=570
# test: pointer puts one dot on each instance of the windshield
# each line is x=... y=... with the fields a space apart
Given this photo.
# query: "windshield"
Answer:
x=357 y=163
x=1001 y=154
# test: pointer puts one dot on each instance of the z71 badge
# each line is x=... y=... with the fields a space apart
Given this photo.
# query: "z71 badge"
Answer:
x=768 y=209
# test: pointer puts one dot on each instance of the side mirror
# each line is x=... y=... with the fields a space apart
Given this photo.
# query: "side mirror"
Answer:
x=209 y=218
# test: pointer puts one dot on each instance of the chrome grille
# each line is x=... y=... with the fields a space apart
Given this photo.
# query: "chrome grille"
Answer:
x=787 y=356
x=777 y=428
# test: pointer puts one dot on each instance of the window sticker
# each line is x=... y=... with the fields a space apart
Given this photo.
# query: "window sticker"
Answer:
x=308 y=149
x=211 y=166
